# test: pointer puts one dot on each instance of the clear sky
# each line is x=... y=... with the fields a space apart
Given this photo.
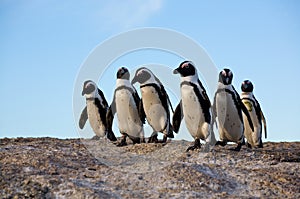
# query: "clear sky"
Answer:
x=44 y=43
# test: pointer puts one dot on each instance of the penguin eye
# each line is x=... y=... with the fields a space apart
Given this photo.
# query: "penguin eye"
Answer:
x=88 y=84
x=185 y=65
x=139 y=73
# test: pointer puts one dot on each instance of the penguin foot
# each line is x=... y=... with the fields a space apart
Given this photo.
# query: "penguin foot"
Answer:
x=111 y=136
x=153 y=139
x=143 y=140
x=96 y=137
x=221 y=143
x=243 y=142
x=248 y=145
x=165 y=138
x=122 y=142
x=135 y=140
x=170 y=134
x=260 y=144
x=238 y=148
x=196 y=145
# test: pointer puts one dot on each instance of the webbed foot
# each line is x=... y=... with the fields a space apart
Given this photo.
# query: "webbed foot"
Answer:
x=196 y=145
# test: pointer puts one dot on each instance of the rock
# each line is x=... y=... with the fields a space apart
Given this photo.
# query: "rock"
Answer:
x=96 y=168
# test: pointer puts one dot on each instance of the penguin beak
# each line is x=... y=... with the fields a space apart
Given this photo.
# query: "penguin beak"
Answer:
x=175 y=71
x=134 y=80
x=227 y=80
x=82 y=93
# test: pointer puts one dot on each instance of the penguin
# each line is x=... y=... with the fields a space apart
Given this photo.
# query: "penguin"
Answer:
x=194 y=105
x=254 y=139
x=154 y=104
x=126 y=103
x=228 y=108
x=95 y=110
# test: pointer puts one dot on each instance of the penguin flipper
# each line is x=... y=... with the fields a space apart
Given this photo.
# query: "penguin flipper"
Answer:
x=214 y=111
x=109 y=118
x=109 y=121
x=104 y=102
x=83 y=118
x=110 y=114
x=177 y=117
x=265 y=123
x=245 y=110
x=262 y=117
x=138 y=103
x=165 y=94
x=205 y=96
x=142 y=113
x=214 y=107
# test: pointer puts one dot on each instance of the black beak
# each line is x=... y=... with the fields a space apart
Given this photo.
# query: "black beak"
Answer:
x=227 y=80
x=175 y=71
x=134 y=80
x=82 y=93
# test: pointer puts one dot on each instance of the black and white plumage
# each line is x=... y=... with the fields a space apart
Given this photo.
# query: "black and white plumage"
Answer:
x=254 y=138
x=126 y=104
x=228 y=107
x=195 y=106
x=95 y=110
x=155 y=103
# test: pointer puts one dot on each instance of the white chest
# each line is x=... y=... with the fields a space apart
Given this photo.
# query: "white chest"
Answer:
x=155 y=113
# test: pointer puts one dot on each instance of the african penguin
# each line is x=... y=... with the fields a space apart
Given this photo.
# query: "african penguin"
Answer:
x=95 y=110
x=154 y=104
x=195 y=106
x=254 y=139
x=126 y=103
x=228 y=107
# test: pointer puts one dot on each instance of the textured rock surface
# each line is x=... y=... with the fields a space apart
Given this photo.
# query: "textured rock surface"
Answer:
x=74 y=168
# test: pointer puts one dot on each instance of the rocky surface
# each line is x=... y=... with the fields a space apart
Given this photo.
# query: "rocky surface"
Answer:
x=74 y=168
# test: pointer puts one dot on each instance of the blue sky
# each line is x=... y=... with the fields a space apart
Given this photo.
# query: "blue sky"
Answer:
x=44 y=43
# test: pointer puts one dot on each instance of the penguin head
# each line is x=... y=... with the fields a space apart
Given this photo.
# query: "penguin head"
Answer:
x=142 y=75
x=185 y=69
x=88 y=87
x=247 y=86
x=225 y=76
x=123 y=73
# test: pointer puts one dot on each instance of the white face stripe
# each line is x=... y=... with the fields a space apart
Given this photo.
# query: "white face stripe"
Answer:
x=185 y=65
x=223 y=73
x=144 y=70
x=139 y=72
x=90 y=83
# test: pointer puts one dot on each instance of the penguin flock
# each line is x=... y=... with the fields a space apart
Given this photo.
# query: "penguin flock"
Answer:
x=237 y=117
